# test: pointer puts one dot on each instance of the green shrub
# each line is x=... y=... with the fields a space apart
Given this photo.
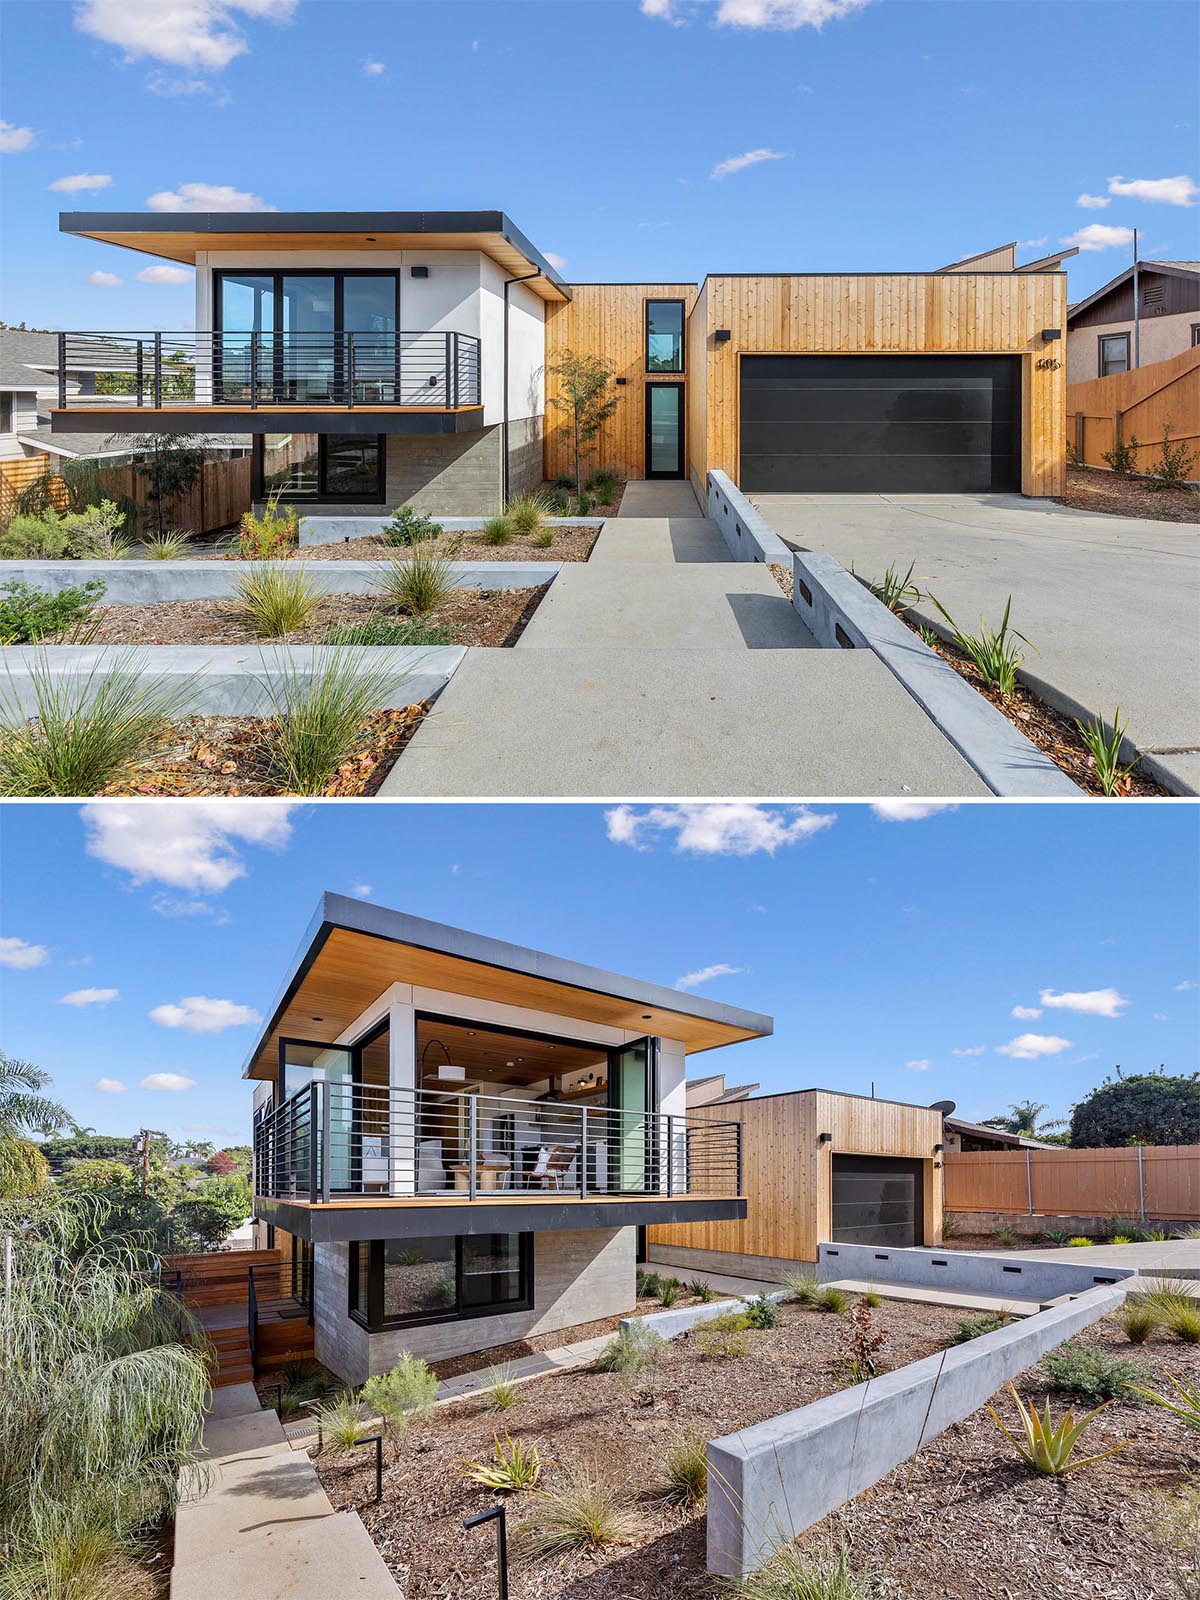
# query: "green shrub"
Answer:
x=410 y=527
x=1171 y=469
x=685 y=1469
x=1137 y=1319
x=543 y=540
x=498 y=530
x=28 y=615
x=517 y=1466
x=271 y=535
x=1183 y=1321
x=35 y=537
x=973 y=1327
x=85 y=725
x=584 y=505
x=634 y=1354
x=872 y=1298
x=560 y=503
x=94 y=534
x=319 y=715
x=584 y=1511
x=388 y=631
x=762 y=1312
x=1122 y=458
x=418 y=584
x=276 y=599
x=564 y=481
x=1006 y=1237
x=527 y=512
x=170 y=545
x=801 y=1573
x=649 y=1285
x=725 y=1337
x=1056 y=1236
x=502 y=1390
x=1091 y=1375
x=804 y=1287
x=406 y=1393
x=668 y=1295
x=703 y=1291
x=831 y=1298
x=1079 y=1242
x=340 y=1422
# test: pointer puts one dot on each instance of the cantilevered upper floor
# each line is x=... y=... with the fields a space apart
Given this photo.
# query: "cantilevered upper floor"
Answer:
x=418 y=1079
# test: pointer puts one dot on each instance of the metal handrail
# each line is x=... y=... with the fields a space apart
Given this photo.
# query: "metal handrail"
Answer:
x=226 y=367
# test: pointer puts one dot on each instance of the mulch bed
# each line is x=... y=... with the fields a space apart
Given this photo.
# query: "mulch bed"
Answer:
x=570 y=544
x=1052 y=731
x=1091 y=489
x=585 y=1416
x=473 y=616
x=209 y=756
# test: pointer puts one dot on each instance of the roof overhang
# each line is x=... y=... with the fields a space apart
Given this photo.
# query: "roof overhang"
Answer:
x=1162 y=267
x=359 y=420
x=353 y=951
x=181 y=236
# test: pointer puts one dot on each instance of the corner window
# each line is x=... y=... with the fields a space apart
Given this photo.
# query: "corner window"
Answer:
x=398 y=1282
x=664 y=335
x=345 y=467
x=1114 y=353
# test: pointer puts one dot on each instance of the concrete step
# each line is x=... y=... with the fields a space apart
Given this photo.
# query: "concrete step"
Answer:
x=331 y=1557
x=238 y=1400
x=249 y=1496
x=258 y=1432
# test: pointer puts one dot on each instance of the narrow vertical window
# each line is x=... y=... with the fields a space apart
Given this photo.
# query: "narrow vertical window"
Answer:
x=664 y=335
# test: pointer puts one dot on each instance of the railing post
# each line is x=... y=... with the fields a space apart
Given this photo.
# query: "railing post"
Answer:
x=583 y=1153
x=140 y=370
x=670 y=1155
x=253 y=373
x=325 y=1121
x=62 y=372
x=313 y=1135
x=449 y=337
x=158 y=371
x=740 y=1127
x=473 y=1146
x=350 y=371
x=454 y=369
x=1142 y=1181
x=1029 y=1177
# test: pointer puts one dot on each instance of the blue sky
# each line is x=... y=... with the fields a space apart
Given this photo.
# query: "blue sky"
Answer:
x=897 y=134
x=886 y=950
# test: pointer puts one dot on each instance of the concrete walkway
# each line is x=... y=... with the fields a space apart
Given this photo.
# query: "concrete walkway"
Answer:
x=1111 y=603
x=662 y=667
x=1178 y=1258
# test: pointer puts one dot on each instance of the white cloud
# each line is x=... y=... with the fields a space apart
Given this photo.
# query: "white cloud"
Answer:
x=80 y=182
x=21 y=954
x=1181 y=191
x=1093 y=202
x=14 y=139
x=373 y=69
x=1099 y=236
x=207 y=197
x=556 y=261
x=361 y=890
x=1161 y=1016
x=749 y=158
x=910 y=810
x=780 y=14
x=1182 y=988
x=167 y=906
x=167 y=1080
x=161 y=83
x=731 y=828
x=1033 y=244
x=1029 y=1046
x=89 y=997
x=921 y=1065
x=1026 y=1013
x=693 y=980
x=103 y=280
x=189 y=844
x=109 y=1086
x=1091 y=1002
x=970 y=1050
x=198 y=1014
x=165 y=274
x=202 y=35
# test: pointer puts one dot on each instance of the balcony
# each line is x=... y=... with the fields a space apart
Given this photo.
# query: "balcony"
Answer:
x=249 y=382
x=340 y=1160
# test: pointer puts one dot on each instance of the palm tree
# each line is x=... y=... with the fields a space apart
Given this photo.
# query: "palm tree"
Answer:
x=24 y=1110
x=1024 y=1120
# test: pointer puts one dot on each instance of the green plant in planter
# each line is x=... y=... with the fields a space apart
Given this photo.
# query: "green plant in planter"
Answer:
x=685 y=1470
x=1079 y=1242
x=1171 y=469
x=410 y=527
x=830 y=1298
x=1137 y=1319
x=975 y=1327
x=271 y=535
x=1122 y=458
x=498 y=530
x=1048 y=1448
x=1005 y=1237
x=1056 y=1236
x=28 y=615
x=1104 y=746
x=703 y=1291
x=724 y=1338
x=340 y=1422
x=517 y=1466
x=1186 y=1404
x=668 y=1295
x=35 y=536
x=991 y=651
x=762 y=1312
x=527 y=512
x=1088 y=1374
x=405 y=1394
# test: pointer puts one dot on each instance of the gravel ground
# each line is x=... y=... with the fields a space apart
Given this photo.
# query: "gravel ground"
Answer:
x=1096 y=490
x=570 y=544
x=471 y=616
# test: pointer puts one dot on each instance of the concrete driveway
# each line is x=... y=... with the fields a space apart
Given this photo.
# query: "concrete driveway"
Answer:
x=1112 y=603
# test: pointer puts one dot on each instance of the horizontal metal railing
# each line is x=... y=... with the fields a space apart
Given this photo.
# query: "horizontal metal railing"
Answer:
x=338 y=1140
x=160 y=371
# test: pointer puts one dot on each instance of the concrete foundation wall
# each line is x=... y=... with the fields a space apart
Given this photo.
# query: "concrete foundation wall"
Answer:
x=771 y=1269
x=964 y=1271
x=455 y=473
x=1036 y=1226
x=579 y=1275
x=524 y=455
x=769 y=1483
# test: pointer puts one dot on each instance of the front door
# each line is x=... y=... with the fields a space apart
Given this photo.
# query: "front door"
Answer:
x=664 y=430
x=632 y=1075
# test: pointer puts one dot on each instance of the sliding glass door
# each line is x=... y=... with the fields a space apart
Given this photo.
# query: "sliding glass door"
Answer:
x=632 y=1096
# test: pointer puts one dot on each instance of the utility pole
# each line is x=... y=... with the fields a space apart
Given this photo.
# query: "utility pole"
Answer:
x=145 y=1135
x=1137 y=308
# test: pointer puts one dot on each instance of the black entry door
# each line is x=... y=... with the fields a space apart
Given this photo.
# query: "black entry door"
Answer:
x=664 y=430
x=873 y=424
x=877 y=1200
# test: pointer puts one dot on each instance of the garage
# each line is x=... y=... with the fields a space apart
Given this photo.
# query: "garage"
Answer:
x=880 y=424
x=877 y=1200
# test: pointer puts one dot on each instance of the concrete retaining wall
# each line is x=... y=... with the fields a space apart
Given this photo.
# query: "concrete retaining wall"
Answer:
x=767 y=1484
x=142 y=583
x=769 y=1269
x=1040 y=1223
x=670 y=1324
x=745 y=530
x=842 y=613
x=965 y=1271
x=224 y=680
x=336 y=530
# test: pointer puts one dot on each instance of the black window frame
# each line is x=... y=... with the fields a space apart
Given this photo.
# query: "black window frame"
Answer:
x=665 y=372
x=1195 y=334
x=681 y=459
x=258 y=487
x=1100 y=359
x=278 y=274
x=374 y=1321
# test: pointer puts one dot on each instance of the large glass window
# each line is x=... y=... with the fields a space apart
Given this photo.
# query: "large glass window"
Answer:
x=439 y=1279
x=330 y=466
x=419 y=1278
x=664 y=335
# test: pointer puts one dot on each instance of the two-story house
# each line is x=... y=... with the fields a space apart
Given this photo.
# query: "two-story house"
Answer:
x=381 y=358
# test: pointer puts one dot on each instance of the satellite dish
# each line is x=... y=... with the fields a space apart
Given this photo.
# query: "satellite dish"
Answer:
x=946 y=1107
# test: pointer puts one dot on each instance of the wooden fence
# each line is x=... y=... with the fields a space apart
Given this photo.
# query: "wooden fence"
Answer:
x=218 y=499
x=1138 y=405
x=1152 y=1181
x=219 y=1277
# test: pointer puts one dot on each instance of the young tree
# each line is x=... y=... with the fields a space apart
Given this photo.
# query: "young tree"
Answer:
x=220 y=1164
x=169 y=464
x=584 y=403
x=1024 y=1120
x=1139 y=1108
x=24 y=1110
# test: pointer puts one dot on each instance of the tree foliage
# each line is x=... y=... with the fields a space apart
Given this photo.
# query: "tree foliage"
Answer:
x=584 y=403
x=1139 y=1108
x=169 y=465
x=1025 y=1120
x=24 y=1110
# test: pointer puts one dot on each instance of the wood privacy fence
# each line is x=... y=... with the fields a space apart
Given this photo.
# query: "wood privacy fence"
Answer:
x=1138 y=405
x=218 y=499
x=1151 y=1181
x=218 y=1277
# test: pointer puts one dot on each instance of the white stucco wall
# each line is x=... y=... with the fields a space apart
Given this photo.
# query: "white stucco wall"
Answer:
x=1161 y=337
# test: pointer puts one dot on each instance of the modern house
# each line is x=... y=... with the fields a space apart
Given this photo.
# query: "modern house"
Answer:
x=459 y=1140
x=1100 y=330
x=388 y=357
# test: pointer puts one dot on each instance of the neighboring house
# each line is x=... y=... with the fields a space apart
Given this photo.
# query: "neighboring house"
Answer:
x=459 y=1139
x=712 y=1092
x=818 y=1166
x=963 y=1136
x=380 y=358
x=1100 y=334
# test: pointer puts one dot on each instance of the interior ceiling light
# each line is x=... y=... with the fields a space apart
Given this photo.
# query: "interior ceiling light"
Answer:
x=447 y=1072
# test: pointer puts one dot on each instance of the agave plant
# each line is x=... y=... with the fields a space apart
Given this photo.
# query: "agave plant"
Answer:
x=1047 y=1447
x=517 y=1466
x=1188 y=1405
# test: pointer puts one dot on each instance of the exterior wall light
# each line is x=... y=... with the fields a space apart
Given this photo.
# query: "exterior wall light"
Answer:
x=621 y=382
x=418 y=272
x=825 y=1138
x=938 y=1148
x=723 y=335
x=1050 y=334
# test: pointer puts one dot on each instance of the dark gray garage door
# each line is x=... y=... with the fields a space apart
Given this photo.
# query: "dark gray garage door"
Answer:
x=880 y=424
x=877 y=1200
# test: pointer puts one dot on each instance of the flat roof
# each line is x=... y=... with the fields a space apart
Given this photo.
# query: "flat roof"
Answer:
x=354 y=950
x=181 y=235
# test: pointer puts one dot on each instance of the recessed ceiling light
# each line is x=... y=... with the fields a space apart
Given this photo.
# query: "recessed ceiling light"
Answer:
x=646 y=1016
x=318 y=1019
